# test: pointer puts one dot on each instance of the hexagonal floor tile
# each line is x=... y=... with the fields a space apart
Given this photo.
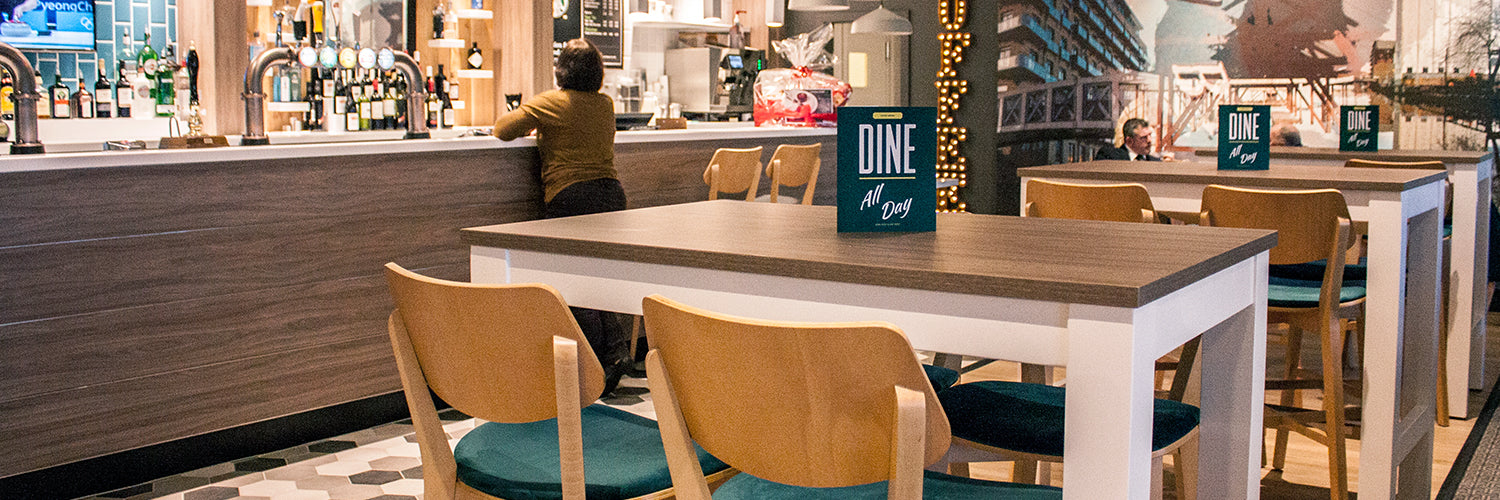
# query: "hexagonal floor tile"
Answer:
x=394 y=463
x=302 y=495
x=269 y=487
x=291 y=472
x=324 y=483
x=331 y=446
x=211 y=493
x=412 y=450
x=355 y=492
x=259 y=464
x=363 y=454
x=343 y=468
x=403 y=487
x=375 y=477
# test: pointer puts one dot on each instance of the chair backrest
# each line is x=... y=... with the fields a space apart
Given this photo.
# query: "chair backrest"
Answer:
x=1307 y=222
x=732 y=171
x=488 y=349
x=806 y=404
x=795 y=165
x=1103 y=202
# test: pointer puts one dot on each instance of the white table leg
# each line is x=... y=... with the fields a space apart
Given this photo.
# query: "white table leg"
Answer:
x=1233 y=357
x=1469 y=275
x=1108 y=428
x=1401 y=345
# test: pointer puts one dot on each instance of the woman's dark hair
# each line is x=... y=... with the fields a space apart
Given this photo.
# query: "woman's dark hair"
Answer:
x=580 y=66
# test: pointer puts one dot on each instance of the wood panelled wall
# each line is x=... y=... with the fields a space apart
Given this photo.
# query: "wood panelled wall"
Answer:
x=147 y=304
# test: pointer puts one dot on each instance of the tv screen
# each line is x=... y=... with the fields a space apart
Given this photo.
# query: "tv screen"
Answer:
x=47 y=24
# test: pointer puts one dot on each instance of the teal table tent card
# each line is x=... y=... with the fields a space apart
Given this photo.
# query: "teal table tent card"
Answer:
x=1244 y=137
x=887 y=169
x=1358 y=128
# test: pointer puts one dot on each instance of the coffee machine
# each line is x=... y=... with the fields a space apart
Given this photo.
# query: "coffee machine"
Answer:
x=714 y=83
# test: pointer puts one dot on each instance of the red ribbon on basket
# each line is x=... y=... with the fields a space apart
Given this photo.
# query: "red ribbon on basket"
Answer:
x=804 y=71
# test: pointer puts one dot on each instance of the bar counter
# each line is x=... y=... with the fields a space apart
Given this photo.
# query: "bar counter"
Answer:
x=152 y=296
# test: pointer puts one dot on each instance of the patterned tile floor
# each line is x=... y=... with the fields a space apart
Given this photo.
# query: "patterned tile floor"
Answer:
x=381 y=463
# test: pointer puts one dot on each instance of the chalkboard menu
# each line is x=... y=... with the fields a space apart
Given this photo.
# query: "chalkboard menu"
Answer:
x=1357 y=128
x=1244 y=137
x=601 y=22
x=887 y=166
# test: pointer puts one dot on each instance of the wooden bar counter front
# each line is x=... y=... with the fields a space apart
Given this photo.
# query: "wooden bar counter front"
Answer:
x=157 y=295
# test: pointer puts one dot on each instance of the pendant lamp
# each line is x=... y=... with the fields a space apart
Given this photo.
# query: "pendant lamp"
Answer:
x=817 y=5
x=881 y=21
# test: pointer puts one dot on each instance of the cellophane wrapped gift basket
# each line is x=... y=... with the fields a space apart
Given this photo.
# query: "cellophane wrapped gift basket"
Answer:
x=801 y=96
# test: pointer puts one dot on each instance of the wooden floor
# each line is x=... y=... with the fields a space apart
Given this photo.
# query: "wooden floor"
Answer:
x=1306 y=473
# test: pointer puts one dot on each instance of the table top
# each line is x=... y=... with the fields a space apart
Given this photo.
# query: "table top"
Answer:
x=1279 y=176
x=1291 y=152
x=1078 y=262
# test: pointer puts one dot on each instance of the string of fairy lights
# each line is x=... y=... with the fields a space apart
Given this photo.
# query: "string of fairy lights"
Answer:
x=951 y=165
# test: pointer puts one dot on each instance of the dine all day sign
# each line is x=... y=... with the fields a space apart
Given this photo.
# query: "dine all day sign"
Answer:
x=1357 y=128
x=887 y=169
x=1244 y=137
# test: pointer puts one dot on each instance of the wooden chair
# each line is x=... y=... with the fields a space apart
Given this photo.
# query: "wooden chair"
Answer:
x=512 y=355
x=1311 y=226
x=733 y=171
x=791 y=166
x=806 y=410
x=1442 y=375
x=1102 y=202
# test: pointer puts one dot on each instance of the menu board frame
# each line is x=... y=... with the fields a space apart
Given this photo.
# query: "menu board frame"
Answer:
x=601 y=22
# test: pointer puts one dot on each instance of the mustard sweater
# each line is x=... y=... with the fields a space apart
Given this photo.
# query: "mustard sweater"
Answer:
x=575 y=135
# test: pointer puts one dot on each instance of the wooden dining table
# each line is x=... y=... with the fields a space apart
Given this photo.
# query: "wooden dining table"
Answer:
x=1404 y=210
x=1471 y=173
x=1104 y=300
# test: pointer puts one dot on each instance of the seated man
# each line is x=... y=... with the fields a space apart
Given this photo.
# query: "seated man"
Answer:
x=1286 y=135
x=1138 y=137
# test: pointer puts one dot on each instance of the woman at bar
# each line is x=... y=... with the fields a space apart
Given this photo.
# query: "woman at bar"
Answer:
x=575 y=134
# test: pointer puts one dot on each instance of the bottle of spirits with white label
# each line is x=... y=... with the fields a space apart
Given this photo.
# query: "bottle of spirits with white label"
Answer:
x=44 y=96
x=60 y=96
x=476 y=60
x=81 y=103
x=124 y=94
x=104 y=99
x=146 y=62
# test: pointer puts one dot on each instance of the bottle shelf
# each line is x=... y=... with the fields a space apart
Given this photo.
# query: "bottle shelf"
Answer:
x=474 y=14
x=457 y=104
x=478 y=74
x=257 y=3
x=641 y=20
x=288 y=107
x=447 y=43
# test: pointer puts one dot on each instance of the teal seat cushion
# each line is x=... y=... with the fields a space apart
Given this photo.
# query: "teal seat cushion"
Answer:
x=941 y=378
x=1028 y=418
x=1287 y=292
x=622 y=457
x=934 y=485
x=1313 y=271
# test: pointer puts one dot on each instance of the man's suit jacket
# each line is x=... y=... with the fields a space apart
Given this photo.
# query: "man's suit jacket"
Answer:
x=1114 y=153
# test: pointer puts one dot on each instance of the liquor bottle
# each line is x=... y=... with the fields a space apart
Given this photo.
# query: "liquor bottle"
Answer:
x=476 y=60
x=314 y=120
x=364 y=107
x=60 y=96
x=182 y=89
x=7 y=103
x=438 y=13
x=104 y=99
x=434 y=104
x=166 y=93
x=192 y=68
x=44 y=104
x=351 y=107
x=294 y=82
x=146 y=62
x=340 y=100
x=124 y=94
x=390 y=104
x=81 y=103
x=377 y=103
x=400 y=91
x=450 y=23
x=127 y=55
x=440 y=83
x=449 y=117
